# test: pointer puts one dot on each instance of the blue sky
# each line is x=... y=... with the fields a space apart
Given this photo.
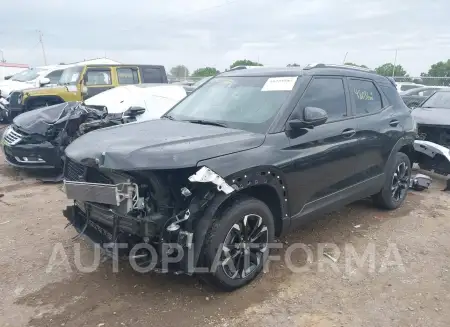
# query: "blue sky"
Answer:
x=201 y=33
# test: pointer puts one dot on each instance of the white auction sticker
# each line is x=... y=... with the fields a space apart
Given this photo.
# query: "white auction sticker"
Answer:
x=279 y=84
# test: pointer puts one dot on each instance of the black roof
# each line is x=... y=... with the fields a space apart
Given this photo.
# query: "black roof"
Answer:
x=118 y=65
x=319 y=69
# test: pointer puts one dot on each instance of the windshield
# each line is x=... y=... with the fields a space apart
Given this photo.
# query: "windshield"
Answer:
x=70 y=76
x=438 y=100
x=249 y=103
x=26 y=75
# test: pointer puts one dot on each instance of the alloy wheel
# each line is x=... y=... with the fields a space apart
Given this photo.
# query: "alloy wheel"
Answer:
x=244 y=247
x=400 y=182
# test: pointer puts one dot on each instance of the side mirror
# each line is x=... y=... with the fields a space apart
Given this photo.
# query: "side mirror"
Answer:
x=133 y=112
x=312 y=117
x=44 y=81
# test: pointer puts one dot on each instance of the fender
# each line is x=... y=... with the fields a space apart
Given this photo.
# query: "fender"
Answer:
x=439 y=156
x=406 y=140
x=242 y=181
x=431 y=149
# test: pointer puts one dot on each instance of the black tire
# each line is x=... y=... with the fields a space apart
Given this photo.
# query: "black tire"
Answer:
x=392 y=195
x=218 y=234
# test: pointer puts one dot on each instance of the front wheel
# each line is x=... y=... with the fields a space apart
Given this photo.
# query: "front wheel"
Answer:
x=396 y=186
x=237 y=244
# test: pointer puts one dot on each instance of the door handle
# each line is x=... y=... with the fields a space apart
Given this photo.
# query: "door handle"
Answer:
x=349 y=132
x=394 y=123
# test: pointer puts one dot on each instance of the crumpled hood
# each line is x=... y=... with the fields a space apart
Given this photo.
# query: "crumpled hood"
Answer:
x=431 y=116
x=159 y=144
x=38 y=121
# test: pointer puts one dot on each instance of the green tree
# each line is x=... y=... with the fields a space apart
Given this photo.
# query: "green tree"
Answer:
x=439 y=69
x=205 y=71
x=245 y=62
x=353 y=64
x=179 y=71
x=388 y=68
x=293 y=65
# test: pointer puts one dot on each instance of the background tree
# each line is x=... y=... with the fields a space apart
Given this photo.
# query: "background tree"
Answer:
x=353 y=64
x=293 y=65
x=439 y=69
x=205 y=71
x=179 y=71
x=388 y=68
x=245 y=62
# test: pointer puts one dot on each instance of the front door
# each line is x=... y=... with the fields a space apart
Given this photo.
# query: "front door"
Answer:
x=323 y=165
x=96 y=80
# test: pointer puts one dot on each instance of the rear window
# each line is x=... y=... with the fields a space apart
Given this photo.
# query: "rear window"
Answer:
x=152 y=75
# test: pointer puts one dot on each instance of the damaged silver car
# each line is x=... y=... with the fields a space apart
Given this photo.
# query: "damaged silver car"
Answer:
x=433 y=133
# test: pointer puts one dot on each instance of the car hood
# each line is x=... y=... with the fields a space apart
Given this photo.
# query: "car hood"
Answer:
x=431 y=116
x=39 y=121
x=158 y=144
x=6 y=87
x=50 y=90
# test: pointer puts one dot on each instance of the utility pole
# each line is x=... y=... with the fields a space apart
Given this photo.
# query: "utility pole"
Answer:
x=395 y=63
x=3 y=57
x=345 y=57
x=42 y=45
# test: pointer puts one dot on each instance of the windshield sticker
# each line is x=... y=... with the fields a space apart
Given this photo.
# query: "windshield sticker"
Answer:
x=363 y=95
x=279 y=84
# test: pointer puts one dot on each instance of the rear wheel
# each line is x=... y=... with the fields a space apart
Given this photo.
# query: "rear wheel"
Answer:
x=396 y=185
x=237 y=245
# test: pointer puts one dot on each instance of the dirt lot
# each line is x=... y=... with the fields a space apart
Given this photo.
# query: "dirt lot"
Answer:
x=31 y=224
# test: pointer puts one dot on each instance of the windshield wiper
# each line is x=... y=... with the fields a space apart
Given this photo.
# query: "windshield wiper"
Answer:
x=168 y=117
x=206 y=122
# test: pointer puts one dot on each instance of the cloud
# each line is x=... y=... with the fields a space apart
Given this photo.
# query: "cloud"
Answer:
x=216 y=32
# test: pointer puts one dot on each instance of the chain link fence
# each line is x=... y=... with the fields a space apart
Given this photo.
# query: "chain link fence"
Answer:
x=425 y=80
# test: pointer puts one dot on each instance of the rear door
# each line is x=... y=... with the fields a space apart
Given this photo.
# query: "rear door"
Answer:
x=324 y=157
x=378 y=127
x=97 y=80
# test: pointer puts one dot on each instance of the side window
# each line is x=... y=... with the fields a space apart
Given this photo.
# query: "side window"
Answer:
x=151 y=75
x=327 y=94
x=54 y=76
x=407 y=87
x=97 y=77
x=127 y=76
x=365 y=96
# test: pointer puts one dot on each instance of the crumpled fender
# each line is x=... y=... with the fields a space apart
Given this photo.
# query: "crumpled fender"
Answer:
x=431 y=149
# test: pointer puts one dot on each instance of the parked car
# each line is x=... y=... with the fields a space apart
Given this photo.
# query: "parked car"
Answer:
x=405 y=86
x=37 y=138
x=248 y=156
x=190 y=89
x=433 y=129
x=31 y=78
x=416 y=96
x=80 y=82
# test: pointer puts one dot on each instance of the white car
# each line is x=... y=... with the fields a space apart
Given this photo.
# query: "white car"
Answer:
x=31 y=78
x=156 y=99
x=405 y=86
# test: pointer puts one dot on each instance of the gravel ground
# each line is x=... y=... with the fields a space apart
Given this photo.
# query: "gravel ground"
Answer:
x=414 y=291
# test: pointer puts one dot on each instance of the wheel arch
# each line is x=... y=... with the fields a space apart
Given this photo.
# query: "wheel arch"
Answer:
x=266 y=184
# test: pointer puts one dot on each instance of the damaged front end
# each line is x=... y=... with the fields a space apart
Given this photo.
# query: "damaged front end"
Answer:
x=148 y=215
x=37 y=139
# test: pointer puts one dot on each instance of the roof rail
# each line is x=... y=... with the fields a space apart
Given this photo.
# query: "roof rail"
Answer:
x=320 y=65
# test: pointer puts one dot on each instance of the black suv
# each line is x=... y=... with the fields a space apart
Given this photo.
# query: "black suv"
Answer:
x=248 y=156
